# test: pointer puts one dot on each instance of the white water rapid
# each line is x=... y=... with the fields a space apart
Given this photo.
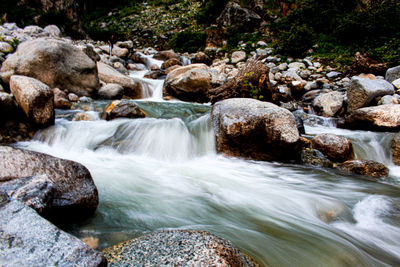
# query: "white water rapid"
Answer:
x=163 y=173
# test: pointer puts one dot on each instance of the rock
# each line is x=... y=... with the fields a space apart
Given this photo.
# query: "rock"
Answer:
x=109 y=75
x=74 y=192
x=365 y=167
x=378 y=118
x=177 y=247
x=165 y=55
x=125 y=44
x=234 y=14
x=136 y=66
x=73 y=97
x=53 y=31
x=362 y=91
x=328 y=104
x=314 y=157
x=193 y=82
x=396 y=149
x=253 y=129
x=388 y=100
x=5 y=47
x=393 y=74
x=120 y=67
x=116 y=51
x=297 y=65
x=238 y=56
x=171 y=62
x=35 y=98
x=336 y=148
x=55 y=63
x=26 y=239
x=396 y=84
x=111 y=91
x=156 y=74
x=170 y=69
x=201 y=57
x=364 y=64
x=61 y=99
x=32 y=30
x=89 y=50
x=333 y=75
x=122 y=109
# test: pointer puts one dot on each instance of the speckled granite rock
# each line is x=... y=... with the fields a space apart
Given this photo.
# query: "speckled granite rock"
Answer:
x=26 y=239
x=368 y=168
x=177 y=248
x=74 y=191
x=336 y=148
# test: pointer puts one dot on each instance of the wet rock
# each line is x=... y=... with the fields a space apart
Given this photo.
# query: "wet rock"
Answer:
x=238 y=56
x=26 y=239
x=378 y=118
x=54 y=62
x=362 y=91
x=365 y=167
x=393 y=74
x=122 y=109
x=336 y=148
x=314 y=157
x=81 y=117
x=61 y=99
x=180 y=247
x=396 y=149
x=328 y=104
x=165 y=55
x=111 y=91
x=53 y=31
x=74 y=191
x=110 y=75
x=171 y=62
x=234 y=14
x=35 y=98
x=253 y=129
x=157 y=74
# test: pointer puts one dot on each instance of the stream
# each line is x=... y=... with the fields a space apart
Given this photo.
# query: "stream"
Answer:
x=163 y=172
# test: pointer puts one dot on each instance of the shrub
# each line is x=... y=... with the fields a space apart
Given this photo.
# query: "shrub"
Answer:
x=188 y=41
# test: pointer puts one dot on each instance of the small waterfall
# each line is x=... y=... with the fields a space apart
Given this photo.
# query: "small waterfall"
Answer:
x=151 y=89
x=149 y=61
x=185 y=61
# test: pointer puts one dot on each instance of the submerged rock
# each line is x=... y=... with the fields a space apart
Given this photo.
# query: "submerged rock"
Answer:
x=178 y=248
x=253 y=129
x=26 y=239
x=365 y=167
x=74 y=191
x=314 y=157
x=336 y=148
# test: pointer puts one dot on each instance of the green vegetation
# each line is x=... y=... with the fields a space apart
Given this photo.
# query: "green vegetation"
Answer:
x=188 y=41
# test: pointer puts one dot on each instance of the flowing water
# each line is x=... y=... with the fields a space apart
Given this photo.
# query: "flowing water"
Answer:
x=162 y=172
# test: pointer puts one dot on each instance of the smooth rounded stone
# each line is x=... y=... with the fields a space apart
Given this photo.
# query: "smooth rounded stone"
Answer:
x=238 y=56
x=177 y=248
x=297 y=65
x=55 y=63
x=165 y=55
x=61 y=99
x=396 y=149
x=310 y=86
x=193 y=82
x=74 y=192
x=53 y=31
x=5 y=47
x=253 y=129
x=328 y=104
x=396 y=84
x=333 y=75
x=35 y=98
x=393 y=74
x=111 y=91
x=283 y=66
x=122 y=109
x=314 y=157
x=125 y=44
x=120 y=67
x=388 y=100
x=368 y=168
x=27 y=239
x=290 y=75
x=109 y=75
x=73 y=97
x=171 y=62
x=202 y=57
x=378 y=118
x=336 y=148
x=362 y=91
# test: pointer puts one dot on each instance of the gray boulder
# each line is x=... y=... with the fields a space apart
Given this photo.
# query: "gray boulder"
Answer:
x=178 y=248
x=238 y=56
x=35 y=98
x=73 y=191
x=393 y=74
x=253 y=129
x=378 y=118
x=26 y=239
x=362 y=91
x=125 y=44
x=54 y=62
x=111 y=91
x=53 y=31
x=328 y=104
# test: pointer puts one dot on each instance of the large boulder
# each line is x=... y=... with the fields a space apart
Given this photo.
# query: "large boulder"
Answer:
x=234 y=14
x=73 y=191
x=110 y=75
x=26 y=239
x=368 y=168
x=393 y=74
x=193 y=82
x=328 y=104
x=35 y=98
x=336 y=148
x=253 y=129
x=362 y=91
x=111 y=91
x=378 y=118
x=54 y=62
x=179 y=248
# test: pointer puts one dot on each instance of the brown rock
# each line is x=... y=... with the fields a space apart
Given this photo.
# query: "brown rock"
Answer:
x=201 y=57
x=396 y=149
x=122 y=109
x=165 y=55
x=171 y=62
x=170 y=69
x=61 y=99
x=336 y=148
x=365 y=167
